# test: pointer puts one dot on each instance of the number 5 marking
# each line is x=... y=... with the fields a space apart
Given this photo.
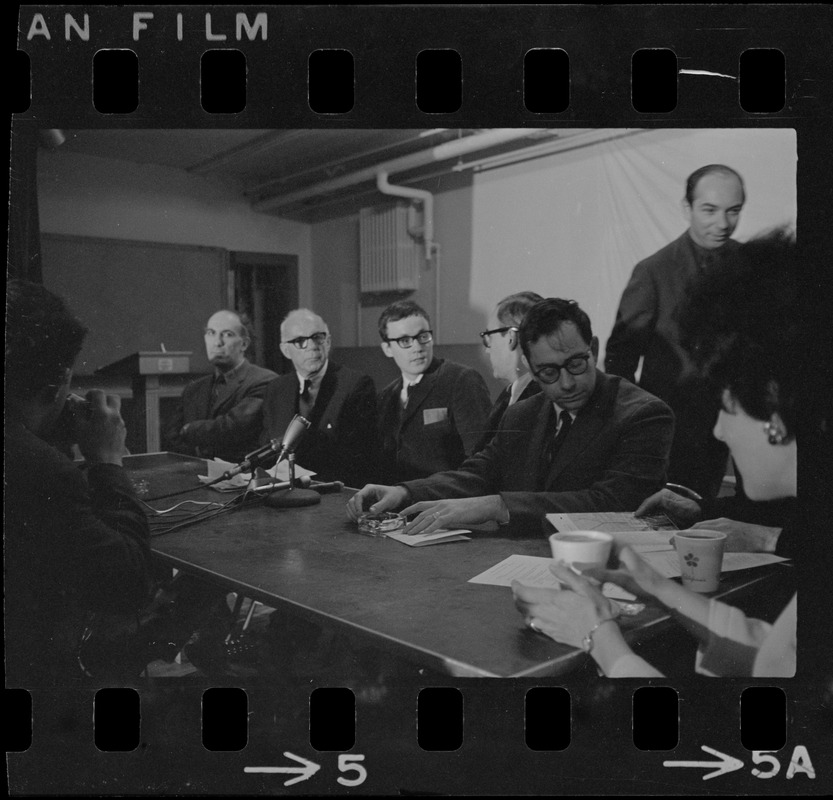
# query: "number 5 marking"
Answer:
x=345 y=765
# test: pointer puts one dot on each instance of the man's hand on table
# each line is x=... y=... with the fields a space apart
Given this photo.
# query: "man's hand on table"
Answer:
x=433 y=515
x=376 y=498
x=682 y=510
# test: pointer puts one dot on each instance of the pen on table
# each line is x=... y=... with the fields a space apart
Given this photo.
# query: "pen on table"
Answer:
x=684 y=491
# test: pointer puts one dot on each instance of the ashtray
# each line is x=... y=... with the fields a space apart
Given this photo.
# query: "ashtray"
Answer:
x=380 y=524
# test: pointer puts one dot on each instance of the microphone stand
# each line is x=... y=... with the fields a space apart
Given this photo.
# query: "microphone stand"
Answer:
x=292 y=497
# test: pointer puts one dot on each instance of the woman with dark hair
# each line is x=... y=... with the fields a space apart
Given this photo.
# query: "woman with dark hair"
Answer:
x=750 y=332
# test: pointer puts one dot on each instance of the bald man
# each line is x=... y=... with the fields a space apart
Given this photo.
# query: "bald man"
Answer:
x=647 y=324
x=339 y=402
x=220 y=414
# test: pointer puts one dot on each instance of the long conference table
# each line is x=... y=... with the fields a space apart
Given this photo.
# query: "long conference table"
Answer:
x=414 y=602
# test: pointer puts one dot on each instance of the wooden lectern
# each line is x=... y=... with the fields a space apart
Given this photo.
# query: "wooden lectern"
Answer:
x=146 y=371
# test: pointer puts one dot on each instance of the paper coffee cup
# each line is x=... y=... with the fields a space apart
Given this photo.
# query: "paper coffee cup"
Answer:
x=701 y=558
x=581 y=547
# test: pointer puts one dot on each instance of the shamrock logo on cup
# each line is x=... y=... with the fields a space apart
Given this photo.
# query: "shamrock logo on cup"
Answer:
x=691 y=560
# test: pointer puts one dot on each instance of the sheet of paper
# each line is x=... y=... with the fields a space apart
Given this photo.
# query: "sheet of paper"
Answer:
x=644 y=541
x=610 y=522
x=534 y=571
x=667 y=563
x=437 y=537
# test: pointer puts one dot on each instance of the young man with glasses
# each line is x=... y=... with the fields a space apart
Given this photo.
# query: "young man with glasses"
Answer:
x=339 y=402
x=434 y=414
x=220 y=415
x=508 y=364
x=587 y=442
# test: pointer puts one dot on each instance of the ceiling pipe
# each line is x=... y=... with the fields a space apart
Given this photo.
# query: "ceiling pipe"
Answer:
x=570 y=142
x=459 y=147
x=427 y=200
x=275 y=184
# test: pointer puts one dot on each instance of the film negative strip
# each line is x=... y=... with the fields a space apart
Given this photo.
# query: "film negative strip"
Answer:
x=352 y=82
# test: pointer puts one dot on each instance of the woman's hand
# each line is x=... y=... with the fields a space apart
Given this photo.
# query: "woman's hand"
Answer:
x=633 y=574
x=566 y=616
x=743 y=537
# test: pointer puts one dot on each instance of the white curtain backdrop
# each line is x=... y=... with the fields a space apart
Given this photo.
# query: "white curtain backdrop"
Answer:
x=574 y=224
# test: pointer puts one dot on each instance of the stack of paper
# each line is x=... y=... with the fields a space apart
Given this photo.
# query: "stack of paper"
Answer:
x=422 y=539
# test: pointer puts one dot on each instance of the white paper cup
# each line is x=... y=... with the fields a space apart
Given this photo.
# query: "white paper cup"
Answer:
x=701 y=558
x=581 y=547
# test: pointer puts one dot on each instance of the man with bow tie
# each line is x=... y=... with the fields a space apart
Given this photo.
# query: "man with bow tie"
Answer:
x=339 y=402
x=586 y=442
x=647 y=324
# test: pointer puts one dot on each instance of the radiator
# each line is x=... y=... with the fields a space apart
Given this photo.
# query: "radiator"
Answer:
x=390 y=258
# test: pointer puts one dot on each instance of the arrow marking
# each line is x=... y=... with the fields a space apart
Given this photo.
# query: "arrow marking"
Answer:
x=725 y=765
x=306 y=771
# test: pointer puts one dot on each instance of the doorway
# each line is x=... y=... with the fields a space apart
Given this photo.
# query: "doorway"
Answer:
x=265 y=286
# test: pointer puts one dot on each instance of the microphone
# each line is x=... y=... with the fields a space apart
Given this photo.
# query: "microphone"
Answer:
x=293 y=435
x=283 y=447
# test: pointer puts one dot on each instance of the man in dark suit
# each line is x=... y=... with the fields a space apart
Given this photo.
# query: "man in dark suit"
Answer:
x=508 y=364
x=340 y=404
x=76 y=541
x=434 y=414
x=647 y=324
x=220 y=415
x=587 y=442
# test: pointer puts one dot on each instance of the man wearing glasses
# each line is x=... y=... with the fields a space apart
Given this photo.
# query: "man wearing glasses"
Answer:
x=433 y=415
x=508 y=364
x=220 y=414
x=340 y=404
x=587 y=442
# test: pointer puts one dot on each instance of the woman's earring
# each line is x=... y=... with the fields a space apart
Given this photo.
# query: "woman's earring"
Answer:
x=775 y=432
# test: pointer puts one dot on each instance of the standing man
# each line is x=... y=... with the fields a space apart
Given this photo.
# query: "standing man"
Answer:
x=586 y=442
x=647 y=324
x=221 y=414
x=507 y=359
x=76 y=541
x=434 y=414
x=340 y=404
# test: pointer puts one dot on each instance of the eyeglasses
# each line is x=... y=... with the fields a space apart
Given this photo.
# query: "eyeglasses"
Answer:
x=550 y=373
x=484 y=335
x=423 y=337
x=301 y=342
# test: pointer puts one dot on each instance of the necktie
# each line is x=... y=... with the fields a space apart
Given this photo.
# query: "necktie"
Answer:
x=304 y=404
x=555 y=442
x=216 y=388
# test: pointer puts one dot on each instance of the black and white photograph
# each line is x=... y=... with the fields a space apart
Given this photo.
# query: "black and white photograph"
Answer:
x=349 y=454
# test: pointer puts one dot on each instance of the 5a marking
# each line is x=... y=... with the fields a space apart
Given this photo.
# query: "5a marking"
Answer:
x=799 y=762
x=346 y=763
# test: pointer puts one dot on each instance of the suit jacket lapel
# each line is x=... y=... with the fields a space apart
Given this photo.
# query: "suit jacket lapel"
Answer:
x=286 y=405
x=202 y=401
x=586 y=427
x=325 y=392
x=418 y=394
x=531 y=389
